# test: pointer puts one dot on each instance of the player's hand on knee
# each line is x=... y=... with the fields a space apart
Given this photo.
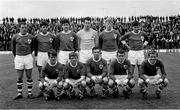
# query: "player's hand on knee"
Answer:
x=99 y=78
x=126 y=80
x=41 y=85
x=147 y=81
x=94 y=79
x=117 y=81
x=163 y=78
x=54 y=83
x=46 y=84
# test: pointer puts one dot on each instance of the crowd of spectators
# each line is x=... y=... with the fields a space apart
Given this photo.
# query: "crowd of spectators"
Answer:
x=163 y=31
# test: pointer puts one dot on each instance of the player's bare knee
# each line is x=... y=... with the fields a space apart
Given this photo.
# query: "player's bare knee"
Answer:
x=83 y=83
x=65 y=85
x=29 y=76
x=41 y=85
x=111 y=83
x=20 y=79
x=105 y=80
x=88 y=80
x=141 y=83
x=166 y=82
x=60 y=84
x=131 y=83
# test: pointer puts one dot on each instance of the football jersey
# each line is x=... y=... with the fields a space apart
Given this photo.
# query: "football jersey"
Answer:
x=74 y=72
x=22 y=44
x=68 y=41
x=135 y=40
x=108 y=41
x=53 y=72
x=87 y=39
x=117 y=68
x=96 y=68
x=151 y=70
x=44 y=42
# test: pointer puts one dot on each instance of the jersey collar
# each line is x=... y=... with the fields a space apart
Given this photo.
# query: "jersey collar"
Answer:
x=96 y=60
x=23 y=35
x=108 y=31
x=120 y=62
x=151 y=63
x=72 y=65
x=135 y=32
x=66 y=32
x=51 y=64
x=44 y=34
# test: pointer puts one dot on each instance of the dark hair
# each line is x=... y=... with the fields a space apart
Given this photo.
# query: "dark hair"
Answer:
x=87 y=18
x=109 y=20
x=121 y=51
x=73 y=54
x=22 y=23
x=65 y=21
x=52 y=52
x=152 y=51
x=135 y=23
x=43 y=23
x=95 y=48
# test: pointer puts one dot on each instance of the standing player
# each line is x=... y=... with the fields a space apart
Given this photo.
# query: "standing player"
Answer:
x=137 y=40
x=51 y=79
x=120 y=74
x=149 y=74
x=87 y=40
x=68 y=42
x=44 y=41
x=22 y=48
x=108 y=41
x=97 y=72
x=74 y=75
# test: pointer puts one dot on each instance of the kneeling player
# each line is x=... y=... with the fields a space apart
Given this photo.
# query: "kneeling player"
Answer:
x=74 y=74
x=149 y=74
x=51 y=78
x=97 y=72
x=120 y=74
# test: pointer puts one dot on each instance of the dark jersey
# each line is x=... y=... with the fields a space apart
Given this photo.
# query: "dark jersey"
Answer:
x=108 y=41
x=151 y=70
x=43 y=43
x=74 y=72
x=67 y=42
x=135 y=40
x=117 y=68
x=96 y=68
x=53 y=72
x=22 y=44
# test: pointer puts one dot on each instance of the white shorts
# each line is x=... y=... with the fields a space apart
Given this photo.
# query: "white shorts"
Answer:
x=42 y=58
x=121 y=80
x=85 y=55
x=23 y=62
x=63 y=57
x=153 y=80
x=108 y=56
x=136 y=57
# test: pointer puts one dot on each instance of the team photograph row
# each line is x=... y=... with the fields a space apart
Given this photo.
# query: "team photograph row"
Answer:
x=162 y=30
x=71 y=63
